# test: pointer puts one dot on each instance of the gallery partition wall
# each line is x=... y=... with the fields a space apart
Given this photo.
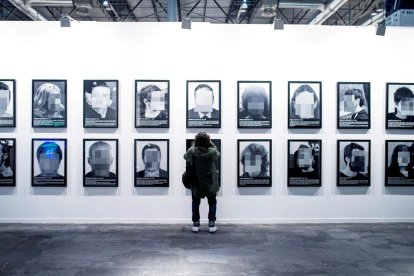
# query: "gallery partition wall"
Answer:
x=96 y=119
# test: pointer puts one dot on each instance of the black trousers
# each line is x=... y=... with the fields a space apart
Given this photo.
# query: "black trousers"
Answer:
x=212 y=208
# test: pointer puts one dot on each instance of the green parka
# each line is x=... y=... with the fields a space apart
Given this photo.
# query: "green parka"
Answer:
x=205 y=170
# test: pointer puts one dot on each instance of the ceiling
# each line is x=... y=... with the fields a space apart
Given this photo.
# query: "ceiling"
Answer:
x=327 y=12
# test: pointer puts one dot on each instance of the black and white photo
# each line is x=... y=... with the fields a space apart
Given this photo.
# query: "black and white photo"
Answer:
x=7 y=103
x=7 y=162
x=353 y=105
x=400 y=106
x=49 y=105
x=254 y=163
x=204 y=104
x=254 y=104
x=151 y=163
x=304 y=163
x=305 y=104
x=49 y=162
x=399 y=163
x=353 y=162
x=100 y=162
x=152 y=104
x=100 y=104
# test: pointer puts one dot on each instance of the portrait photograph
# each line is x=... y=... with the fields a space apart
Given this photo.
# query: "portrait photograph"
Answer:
x=254 y=104
x=100 y=162
x=7 y=103
x=399 y=163
x=8 y=162
x=151 y=163
x=49 y=105
x=304 y=163
x=203 y=104
x=152 y=103
x=353 y=105
x=254 y=163
x=49 y=162
x=353 y=162
x=305 y=104
x=100 y=104
x=217 y=163
x=400 y=106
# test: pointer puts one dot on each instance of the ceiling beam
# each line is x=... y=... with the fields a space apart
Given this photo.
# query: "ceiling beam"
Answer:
x=28 y=11
x=328 y=12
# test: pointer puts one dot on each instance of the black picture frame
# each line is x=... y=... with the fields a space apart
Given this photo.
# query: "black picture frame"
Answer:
x=193 y=119
x=8 y=162
x=217 y=143
x=297 y=177
x=392 y=117
x=257 y=118
x=351 y=119
x=140 y=180
x=49 y=145
x=394 y=178
x=294 y=120
x=41 y=96
x=244 y=179
x=90 y=179
x=91 y=117
x=360 y=179
x=162 y=120
x=5 y=119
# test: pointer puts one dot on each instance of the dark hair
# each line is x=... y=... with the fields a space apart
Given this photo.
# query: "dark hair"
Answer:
x=394 y=157
x=255 y=90
x=98 y=144
x=149 y=146
x=202 y=139
x=358 y=94
x=300 y=90
x=145 y=93
x=49 y=147
x=349 y=148
x=257 y=149
x=296 y=154
x=200 y=86
x=90 y=85
x=402 y=93
x=4 y=86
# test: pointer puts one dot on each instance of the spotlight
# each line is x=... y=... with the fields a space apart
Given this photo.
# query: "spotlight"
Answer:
x=105 y=3
x=186 y=24
x=381 y=28
x=278 y=24
x=65 y=21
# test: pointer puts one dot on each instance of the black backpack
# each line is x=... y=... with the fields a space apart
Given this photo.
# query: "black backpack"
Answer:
x=189 y=177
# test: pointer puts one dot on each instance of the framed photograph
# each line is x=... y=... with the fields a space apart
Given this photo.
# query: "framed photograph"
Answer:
x=217 y=143
x=49 y=162
x=254 y=102
x=204 y=104
x=7 y=103
x=353 y=105
x=400 y=106
x=8 y=162
x=151 y=161
x=255 y=163
x=49 y=103
x=353 y=162
x=304 y=163
x=399 y=163
x=100 y=104
x=100 y=162
x=305 y=104
x=152 y=103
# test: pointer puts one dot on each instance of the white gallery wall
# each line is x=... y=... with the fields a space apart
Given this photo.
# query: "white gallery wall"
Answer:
x=130 y=51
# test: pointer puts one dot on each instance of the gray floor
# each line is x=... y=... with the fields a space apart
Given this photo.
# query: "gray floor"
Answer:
x=320 y=249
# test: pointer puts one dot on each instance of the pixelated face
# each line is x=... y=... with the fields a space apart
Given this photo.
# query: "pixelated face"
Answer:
x=305 y=158
x=406 y=106
x=357 y=161
x=157 y=101
x=54 y=101
x=101 y=97
x=49 y=162
x=403 y=158
x=203 y=100
x=4 y=99
x=252 y=164
x=256 y=105
x=152 y=159
x=101 y=159
x=305 y=105
x=349 y=103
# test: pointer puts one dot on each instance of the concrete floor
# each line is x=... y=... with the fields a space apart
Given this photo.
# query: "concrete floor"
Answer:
x=316 y=249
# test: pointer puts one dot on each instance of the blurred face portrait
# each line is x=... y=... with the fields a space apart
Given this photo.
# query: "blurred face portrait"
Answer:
x=54 y=101
x=305 y=105
x=403 y=158
x=101 y=97
x=256 y=105
x=49 y=163
x=252 y=164
x=357 y=162
x=4 y=99
x=203 y=100
x=406 y=106
x=305 y=158
x=350 y=104
x=100 y=159
x=152 y=159
x=156 y=101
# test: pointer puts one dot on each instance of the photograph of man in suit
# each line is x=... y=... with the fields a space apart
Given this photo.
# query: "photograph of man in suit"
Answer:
x=203 y=103
x=151 y=156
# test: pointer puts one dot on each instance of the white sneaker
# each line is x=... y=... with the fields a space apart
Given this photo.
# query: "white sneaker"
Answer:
x=212 y=228
x=196 y=226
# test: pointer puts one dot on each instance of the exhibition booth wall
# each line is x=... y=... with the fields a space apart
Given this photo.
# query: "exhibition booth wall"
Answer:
x=230 y=53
